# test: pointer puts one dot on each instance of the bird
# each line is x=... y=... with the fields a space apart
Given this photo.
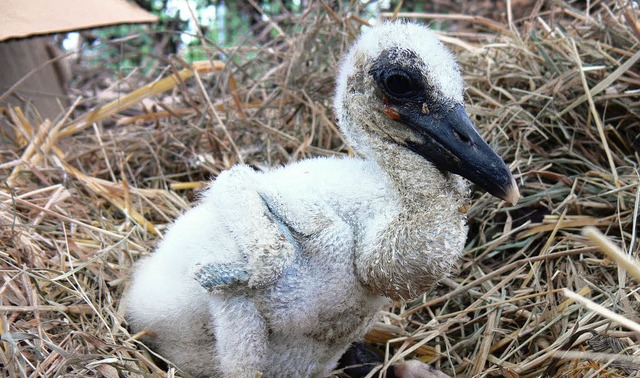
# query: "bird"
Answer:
x=277 y=272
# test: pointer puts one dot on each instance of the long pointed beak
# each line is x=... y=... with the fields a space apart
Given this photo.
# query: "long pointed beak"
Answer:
x=451 y=142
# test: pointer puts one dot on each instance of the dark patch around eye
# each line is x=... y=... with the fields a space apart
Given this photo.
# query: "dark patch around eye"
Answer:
x=398 y=73
x=400 y=84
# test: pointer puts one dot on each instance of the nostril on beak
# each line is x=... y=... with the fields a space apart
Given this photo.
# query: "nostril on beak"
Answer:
x=463 y=138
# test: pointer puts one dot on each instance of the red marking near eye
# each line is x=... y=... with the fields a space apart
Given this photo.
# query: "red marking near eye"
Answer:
x=391 y=112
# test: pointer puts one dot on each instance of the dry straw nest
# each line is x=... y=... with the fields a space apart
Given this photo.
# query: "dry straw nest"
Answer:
x=557 y=93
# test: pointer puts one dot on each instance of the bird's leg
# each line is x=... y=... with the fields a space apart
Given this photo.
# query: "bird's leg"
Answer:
x=241 y=337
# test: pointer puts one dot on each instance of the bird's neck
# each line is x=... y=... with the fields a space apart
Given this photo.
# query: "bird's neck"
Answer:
x=414 y=178
x=420 y=243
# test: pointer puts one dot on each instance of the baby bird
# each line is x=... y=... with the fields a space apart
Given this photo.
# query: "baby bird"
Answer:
x=278 y=272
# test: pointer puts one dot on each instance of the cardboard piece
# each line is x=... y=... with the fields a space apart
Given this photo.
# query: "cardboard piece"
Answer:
x=42 y=82
x=19 y=18
x=29 y=70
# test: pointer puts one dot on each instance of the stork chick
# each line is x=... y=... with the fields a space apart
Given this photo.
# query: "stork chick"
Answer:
x=279 y=272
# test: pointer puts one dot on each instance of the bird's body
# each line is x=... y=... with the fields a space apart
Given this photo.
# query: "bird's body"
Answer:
x=280 y=271
x=318 y=306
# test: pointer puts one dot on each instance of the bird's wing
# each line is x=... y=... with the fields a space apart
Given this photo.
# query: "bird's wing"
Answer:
x=263 y=264
x=222 y=277
x=266 y=241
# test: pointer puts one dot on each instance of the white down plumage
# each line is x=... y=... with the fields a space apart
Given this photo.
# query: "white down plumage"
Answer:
x=279 y=272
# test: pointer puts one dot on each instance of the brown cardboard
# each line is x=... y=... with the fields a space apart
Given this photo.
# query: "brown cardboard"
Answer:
x=44 y=87
x=22 y=18
x=29 y=72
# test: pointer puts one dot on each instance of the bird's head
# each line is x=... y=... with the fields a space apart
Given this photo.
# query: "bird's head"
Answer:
x=399 y=84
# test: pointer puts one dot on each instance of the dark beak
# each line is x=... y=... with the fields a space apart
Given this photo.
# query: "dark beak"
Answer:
x=451 y=142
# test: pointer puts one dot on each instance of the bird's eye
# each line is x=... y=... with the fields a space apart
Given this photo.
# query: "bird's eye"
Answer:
x=400 y=84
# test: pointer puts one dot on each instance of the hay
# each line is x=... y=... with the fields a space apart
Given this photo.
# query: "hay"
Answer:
x=557 y=93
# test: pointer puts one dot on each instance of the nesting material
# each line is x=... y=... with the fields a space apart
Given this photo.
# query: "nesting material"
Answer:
x=556 y=93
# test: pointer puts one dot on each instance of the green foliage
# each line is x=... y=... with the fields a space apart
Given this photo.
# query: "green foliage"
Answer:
x=192 y=33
